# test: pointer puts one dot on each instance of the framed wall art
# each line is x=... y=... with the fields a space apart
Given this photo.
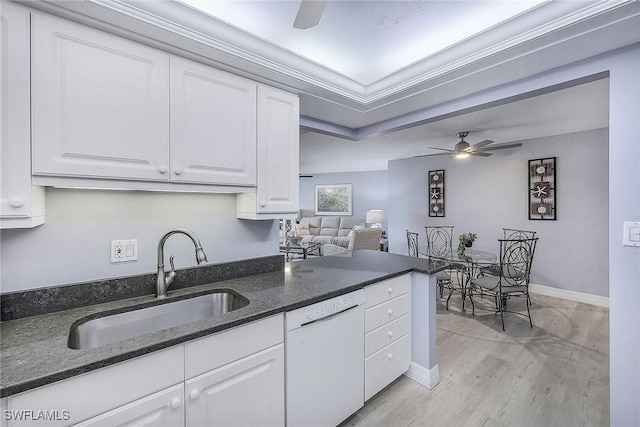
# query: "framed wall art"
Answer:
x=333 y=199
x=542 y=189
x=436 y=193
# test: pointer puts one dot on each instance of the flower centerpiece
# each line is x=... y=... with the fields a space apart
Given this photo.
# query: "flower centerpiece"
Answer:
x=465 y=241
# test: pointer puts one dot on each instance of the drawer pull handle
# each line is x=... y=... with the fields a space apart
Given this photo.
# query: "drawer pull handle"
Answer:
x=390 y=356
x=195 y=393
x=390 y=334
x=162 y=169
x=390 y=312
x=177 y=171
x=263 y=204
x=390 y=289
x=176 y=403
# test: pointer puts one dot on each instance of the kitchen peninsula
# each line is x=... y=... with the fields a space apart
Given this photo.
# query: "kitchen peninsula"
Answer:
x=35 y=355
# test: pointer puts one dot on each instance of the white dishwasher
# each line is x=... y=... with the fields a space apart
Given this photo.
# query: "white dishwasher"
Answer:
x=324 y=347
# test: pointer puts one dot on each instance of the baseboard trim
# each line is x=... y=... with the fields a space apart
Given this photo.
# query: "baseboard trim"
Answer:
x=423 y=376
x=569 y=295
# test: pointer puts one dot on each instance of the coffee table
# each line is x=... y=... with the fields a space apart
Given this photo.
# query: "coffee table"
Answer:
x=300 y=248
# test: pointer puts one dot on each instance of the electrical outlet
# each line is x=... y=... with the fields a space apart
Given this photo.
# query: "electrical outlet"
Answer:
x=124 y=250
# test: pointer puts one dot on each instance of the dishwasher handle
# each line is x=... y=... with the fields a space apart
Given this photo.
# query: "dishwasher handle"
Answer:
x=332 y=315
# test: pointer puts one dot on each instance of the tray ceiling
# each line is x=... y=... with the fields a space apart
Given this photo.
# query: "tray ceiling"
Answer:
x=366 y=41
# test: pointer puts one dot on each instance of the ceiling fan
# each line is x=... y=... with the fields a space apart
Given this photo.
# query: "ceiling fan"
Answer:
x=463 y=149
x=309 y=13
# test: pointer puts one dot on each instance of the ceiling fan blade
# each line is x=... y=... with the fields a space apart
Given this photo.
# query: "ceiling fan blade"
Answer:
x=480 y=154
x=442 y=149
x=436 y=154
x=309 y=13
x=481 y=144
x=503 y=146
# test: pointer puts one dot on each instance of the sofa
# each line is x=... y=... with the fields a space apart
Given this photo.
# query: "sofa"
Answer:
x=328 y=229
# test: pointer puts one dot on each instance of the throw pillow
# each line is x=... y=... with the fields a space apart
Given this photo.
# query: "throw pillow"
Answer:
x=303 y=230
x=353 y=229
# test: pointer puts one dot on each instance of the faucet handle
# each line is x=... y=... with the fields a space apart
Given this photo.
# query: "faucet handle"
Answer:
x=172 y=273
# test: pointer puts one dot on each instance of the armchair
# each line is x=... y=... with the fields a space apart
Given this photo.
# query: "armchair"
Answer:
x=362 y=239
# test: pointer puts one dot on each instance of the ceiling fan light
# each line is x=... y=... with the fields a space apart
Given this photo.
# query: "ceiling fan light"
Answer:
x=461 y=146
x=462 y=155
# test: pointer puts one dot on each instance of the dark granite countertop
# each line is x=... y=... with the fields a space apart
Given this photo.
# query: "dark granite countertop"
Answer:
x=34 y=349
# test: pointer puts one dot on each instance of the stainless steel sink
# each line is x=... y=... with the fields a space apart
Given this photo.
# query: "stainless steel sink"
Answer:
x=121 y=326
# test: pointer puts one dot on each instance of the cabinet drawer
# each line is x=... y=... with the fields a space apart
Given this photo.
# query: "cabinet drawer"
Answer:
x=211 y=352
x=386 y=312
x=386 y=290
x=386 y=334
x=95 y=392
x=384 y=366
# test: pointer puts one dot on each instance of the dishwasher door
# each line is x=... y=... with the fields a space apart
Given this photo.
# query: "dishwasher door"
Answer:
x=324 y=349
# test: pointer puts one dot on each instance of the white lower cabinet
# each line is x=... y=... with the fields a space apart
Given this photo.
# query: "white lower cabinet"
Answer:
x=233 y=378
x=162 y=409
x=387 y=333
x=85 y=396
x=249 y=392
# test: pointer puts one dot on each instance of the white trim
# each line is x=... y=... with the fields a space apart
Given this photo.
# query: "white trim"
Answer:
x=423 y=376
x=570 y=295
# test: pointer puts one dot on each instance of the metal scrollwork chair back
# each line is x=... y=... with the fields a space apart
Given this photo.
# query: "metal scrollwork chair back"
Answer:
x=412 y=243
x=508 y=234
x=439 y=241
x=513 y=234
x=516 y=258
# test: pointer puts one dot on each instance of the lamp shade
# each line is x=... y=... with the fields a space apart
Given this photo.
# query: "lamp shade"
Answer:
x=375 y=217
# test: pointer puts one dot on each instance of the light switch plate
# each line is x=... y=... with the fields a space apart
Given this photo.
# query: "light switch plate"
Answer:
x=631 y=234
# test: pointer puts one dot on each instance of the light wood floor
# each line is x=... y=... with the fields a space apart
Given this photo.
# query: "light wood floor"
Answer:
x=556 y=374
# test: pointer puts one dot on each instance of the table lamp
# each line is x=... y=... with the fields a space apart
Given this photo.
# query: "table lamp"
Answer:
x=375 y=218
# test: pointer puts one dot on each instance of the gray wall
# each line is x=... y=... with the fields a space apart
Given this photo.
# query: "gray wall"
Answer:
x=483 y=195
x=75 y=242
x=624 y=205
x=369 y=190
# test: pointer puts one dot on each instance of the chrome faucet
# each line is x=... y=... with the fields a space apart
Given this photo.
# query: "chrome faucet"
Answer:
x=164 y=281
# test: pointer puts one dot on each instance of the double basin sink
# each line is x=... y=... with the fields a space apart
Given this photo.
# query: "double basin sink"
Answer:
x=94 y=332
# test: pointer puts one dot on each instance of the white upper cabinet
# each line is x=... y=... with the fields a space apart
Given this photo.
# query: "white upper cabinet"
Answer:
x=21 y=205
x=113 y=113
x=213 y=125
x=278 y=157
x=100 y=104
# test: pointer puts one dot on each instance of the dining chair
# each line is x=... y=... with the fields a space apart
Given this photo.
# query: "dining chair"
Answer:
x=440 y=246
x=516 y=257
x=508 y=234
x=412 y=243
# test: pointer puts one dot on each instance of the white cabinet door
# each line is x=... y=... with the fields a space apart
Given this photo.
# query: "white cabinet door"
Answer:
x=100 y=104
x=213 y=125
x=278 y=150
x=278 y=157
x=248 y=392
x=162 y=409
x=21 y=205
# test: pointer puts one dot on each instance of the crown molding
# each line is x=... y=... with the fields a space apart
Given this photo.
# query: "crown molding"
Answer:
x=548 y=36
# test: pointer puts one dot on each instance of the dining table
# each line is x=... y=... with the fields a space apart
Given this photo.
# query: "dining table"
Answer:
x=472 y=261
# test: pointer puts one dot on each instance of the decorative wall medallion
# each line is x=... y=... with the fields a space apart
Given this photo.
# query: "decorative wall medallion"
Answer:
x=436 y=193
x=542 y=188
